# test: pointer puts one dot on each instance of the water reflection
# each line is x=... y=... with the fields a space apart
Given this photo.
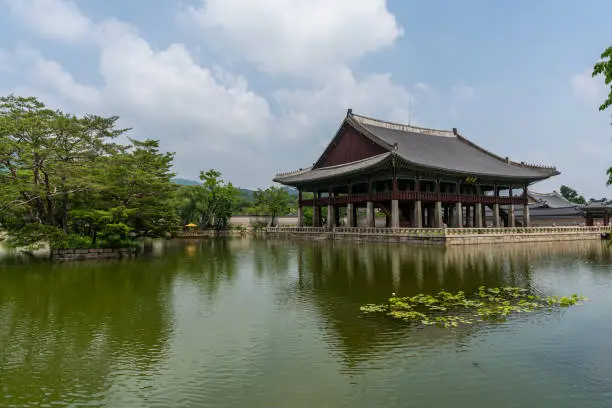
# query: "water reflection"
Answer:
x=255 y=322
x=339 y=277
x=55 y=317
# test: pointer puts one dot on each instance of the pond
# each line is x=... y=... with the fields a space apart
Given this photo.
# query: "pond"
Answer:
x=245 y=322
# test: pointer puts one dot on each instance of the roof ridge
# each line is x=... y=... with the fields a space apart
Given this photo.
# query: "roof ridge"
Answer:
x=365 y=120
x=293 y=172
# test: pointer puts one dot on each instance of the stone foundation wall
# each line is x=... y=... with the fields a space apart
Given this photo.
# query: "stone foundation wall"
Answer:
x=74 y=254
x=462 y=236
x=212 y=233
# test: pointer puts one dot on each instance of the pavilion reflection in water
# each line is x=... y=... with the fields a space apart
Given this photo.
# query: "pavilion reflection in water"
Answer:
x=339 y=277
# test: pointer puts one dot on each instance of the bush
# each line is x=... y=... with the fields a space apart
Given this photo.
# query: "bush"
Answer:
x=115 y=236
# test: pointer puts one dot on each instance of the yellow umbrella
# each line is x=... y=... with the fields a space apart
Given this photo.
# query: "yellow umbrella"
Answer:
x=191 y=224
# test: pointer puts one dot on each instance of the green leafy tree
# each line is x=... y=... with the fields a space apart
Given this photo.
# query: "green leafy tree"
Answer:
x=572 y=195
x=209 y=205
x=604 y=68
x=65 y=180
x=273 y=201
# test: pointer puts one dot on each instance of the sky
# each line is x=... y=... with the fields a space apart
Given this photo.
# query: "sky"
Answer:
x=256 y=87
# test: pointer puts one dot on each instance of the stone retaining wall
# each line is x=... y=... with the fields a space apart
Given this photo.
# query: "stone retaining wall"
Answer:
x=463 y=236
x=72 y=254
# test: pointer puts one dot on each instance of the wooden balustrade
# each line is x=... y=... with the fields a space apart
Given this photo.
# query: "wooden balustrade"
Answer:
x=427 y=196
x=444 y=231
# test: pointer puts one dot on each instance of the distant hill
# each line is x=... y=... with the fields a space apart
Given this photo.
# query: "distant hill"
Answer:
x=185 y=182
x=246 y=193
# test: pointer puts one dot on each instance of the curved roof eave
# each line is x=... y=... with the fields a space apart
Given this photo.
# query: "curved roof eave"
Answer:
x=532 y=179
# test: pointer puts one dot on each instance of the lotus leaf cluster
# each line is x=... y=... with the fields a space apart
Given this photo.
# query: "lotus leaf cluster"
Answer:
x=448 y=309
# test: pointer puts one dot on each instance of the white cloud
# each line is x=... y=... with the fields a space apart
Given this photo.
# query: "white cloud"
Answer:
x=374 y=95
x=423 y=87
x=52 y=18
x=170 y=87
x=301 y=36
x=588 y=89
x=162 y=93
x=197 y=111
x=48 y=75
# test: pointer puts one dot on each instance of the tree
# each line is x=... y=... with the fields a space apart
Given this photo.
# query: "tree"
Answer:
x=572 y=195
x=211 y=204
x=64 y=179
x=273 y=201
x=604 y=67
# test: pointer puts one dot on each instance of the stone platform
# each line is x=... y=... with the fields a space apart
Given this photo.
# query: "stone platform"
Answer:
x=444 y=236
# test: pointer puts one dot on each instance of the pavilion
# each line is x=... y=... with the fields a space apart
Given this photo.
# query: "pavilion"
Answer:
x=418 y=177
x=597 y=209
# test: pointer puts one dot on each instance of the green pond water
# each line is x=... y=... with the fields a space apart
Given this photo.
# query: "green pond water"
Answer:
x=260 y=323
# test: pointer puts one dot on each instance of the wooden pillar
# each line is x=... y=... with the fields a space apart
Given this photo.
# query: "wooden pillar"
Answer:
x=418 y=209
x=511 y=220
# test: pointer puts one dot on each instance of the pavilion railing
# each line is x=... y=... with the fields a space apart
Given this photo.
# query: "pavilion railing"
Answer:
x=445 y=231
x=426 y=196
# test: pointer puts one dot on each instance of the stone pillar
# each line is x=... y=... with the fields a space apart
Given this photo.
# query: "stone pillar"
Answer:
x=459 y=215
x=350 y=214
x=496 y=219
x=469 y=216
x=431 y=221
x=395 y=217
x=316 y=216
x=511 y=220
x=331 y=217
x=337 y=216
x=478 y=215
x=526 y=220
x=418 y=214
x=438 y=214
x=371 y=218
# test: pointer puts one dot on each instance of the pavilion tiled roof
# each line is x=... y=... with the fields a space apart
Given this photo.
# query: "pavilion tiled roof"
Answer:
x=550 y=200
x=438 y=150
x=322 y=173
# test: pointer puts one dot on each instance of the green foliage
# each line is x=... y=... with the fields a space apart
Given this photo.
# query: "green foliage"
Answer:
x=448 y=309
x=604 y=67
x=65 y=179
x=273 y=201
x=572 y=195
x=210 y=204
